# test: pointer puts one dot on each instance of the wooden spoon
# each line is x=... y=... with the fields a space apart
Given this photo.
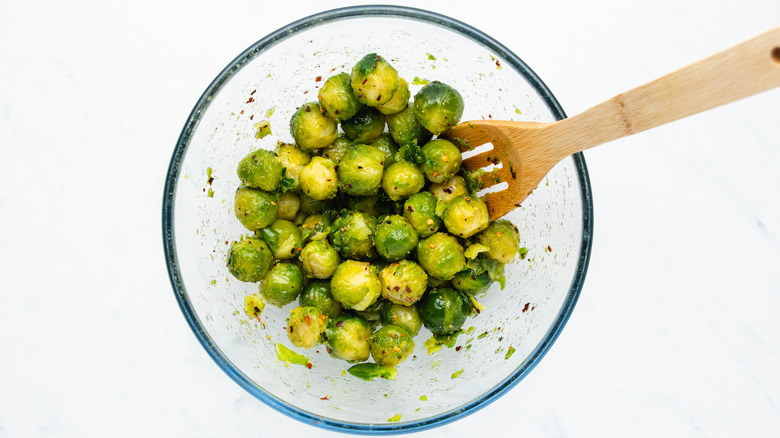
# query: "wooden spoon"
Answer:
x=527 y=151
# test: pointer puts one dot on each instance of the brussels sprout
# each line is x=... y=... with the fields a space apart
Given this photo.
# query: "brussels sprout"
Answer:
x=365 y=204
x=305 y=326
x=386 y=144
x=353 y=235
x=471 y=282
x=420 y=211
x=391 y=345
x=337 y=149
x=255 y=208
x=292 y=160
x=364 y=126
x=443 y=311
x=395 y=238
x=347 y=338
x=310 y=128
x=441 y=256
x=402 y=180
x=312 y=206
x=502 y=238
x=399 y=101
x=337 y=99
x=282 y=284
x=442 y=160
x=404 y=127
x=319 y=180
x=316 y=227
x=254 y=305
x=360 y=170
x=249 y=259
x=466 y=216
x=402 y=316
x=374 y=80
x=289 y=203
x=438 y=107
x=317 y=294
x=319 y=259
x=261 y=170
x=450 y=189
x=403 y=282
x=283 y=238
x=355 y=285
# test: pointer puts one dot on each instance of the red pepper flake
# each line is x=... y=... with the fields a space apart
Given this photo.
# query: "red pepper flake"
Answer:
x=226 y=242
x=308 y=365
x=327 y=397
x=549 y=249
x=251 y=117
x=252 y=93
x=318 y=78
x=250 y=100
x=525 y=308
x=308 y=109
x=458 y=347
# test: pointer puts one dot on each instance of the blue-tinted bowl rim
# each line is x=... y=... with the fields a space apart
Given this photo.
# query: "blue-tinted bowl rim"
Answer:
x=170 y=193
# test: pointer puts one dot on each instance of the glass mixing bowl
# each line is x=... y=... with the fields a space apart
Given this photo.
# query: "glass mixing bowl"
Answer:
x=267 y=82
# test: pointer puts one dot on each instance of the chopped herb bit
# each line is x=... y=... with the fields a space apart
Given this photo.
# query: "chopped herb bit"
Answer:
x=270 y=111
x=523 y=252
x=369 y=371
x=431 y=57
x=482 y=335
x=424 y=398
x=509 y=352
x=213 y=281
x=418 y=81
x=477 y=305
x=211 y=192
x=284 y=354
x=456 y=374
x=394 y=418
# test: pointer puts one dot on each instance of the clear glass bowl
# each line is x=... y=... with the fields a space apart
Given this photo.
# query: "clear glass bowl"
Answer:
x=268 y=81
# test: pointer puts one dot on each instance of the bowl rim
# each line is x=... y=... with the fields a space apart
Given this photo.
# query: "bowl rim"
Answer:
x=169 y=196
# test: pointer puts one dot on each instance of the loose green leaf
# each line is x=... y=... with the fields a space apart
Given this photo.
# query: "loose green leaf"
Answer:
x=473 y=250
x=457 y=374
x=394 y=418
x=418 y=81
x=284 y=354
x=523 y=252
x=370 y=371
x=263 y=129
x=509 y=352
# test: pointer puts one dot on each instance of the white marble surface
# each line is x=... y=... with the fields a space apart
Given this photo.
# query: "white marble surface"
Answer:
x=676 y=331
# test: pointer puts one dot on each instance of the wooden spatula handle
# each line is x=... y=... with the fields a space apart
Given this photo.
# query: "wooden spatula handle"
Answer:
x=741 y=71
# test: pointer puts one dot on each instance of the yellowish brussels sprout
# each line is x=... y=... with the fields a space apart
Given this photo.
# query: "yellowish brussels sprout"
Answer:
x=360 y=170
x=249 y=259
x=319 y=259
x=442 y=160
x=374 y=80
x=403 y=282
x=305 y=326
x=319 y=180
x=353 y=235
x=312 y=129
x=289 y=203
x=399 y=101
x=347 y=337
x=420 y=211
x=255 y=208
x=292 y=160
x=466 y=216
x=448 y=190
x=260 y=169
x=355 y=285
x=282 y=284
x=254 y=305
x=283 y=238
x=337 y=99
x=441 y=256
x=401 y=180
x=502 y=238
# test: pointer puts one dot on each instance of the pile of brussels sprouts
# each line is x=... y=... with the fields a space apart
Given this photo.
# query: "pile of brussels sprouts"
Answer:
x=368 y=228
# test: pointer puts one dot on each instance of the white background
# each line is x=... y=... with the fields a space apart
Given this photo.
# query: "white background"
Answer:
x=676 y=332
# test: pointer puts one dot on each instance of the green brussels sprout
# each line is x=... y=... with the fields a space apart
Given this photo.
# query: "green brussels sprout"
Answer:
x=316 y=227
x=312 y=206
x=399 y=101
x=442 y=160
x=289 y=203
x=391 y=345
x=319 y=180
x=337 y=99
x=310 y=128
x=403 y=282
x=317 y=294
x=364 y=126
x=502 y=238
x=420 y=211
x=249 y=259
x=438 y=107
x=441 y=256
x=283 y=238
x=466 y=216
x=386 y=144
x=255 y=208
x=254 y=305
x=450 y=189
x=443 y=311
x=355 y=285
x=360 y=170
x=401 y=180
x=394 y=238
x=403 y=316
x=352 y=234
x=365 y=204
x=337 y=149
x=282 y=284
x=347 y=338
x=404 y=127
x=319 y=259
x=305 y=326
x=261 y=170
x=292 y=161
x=374 y=80
x=471 y=282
